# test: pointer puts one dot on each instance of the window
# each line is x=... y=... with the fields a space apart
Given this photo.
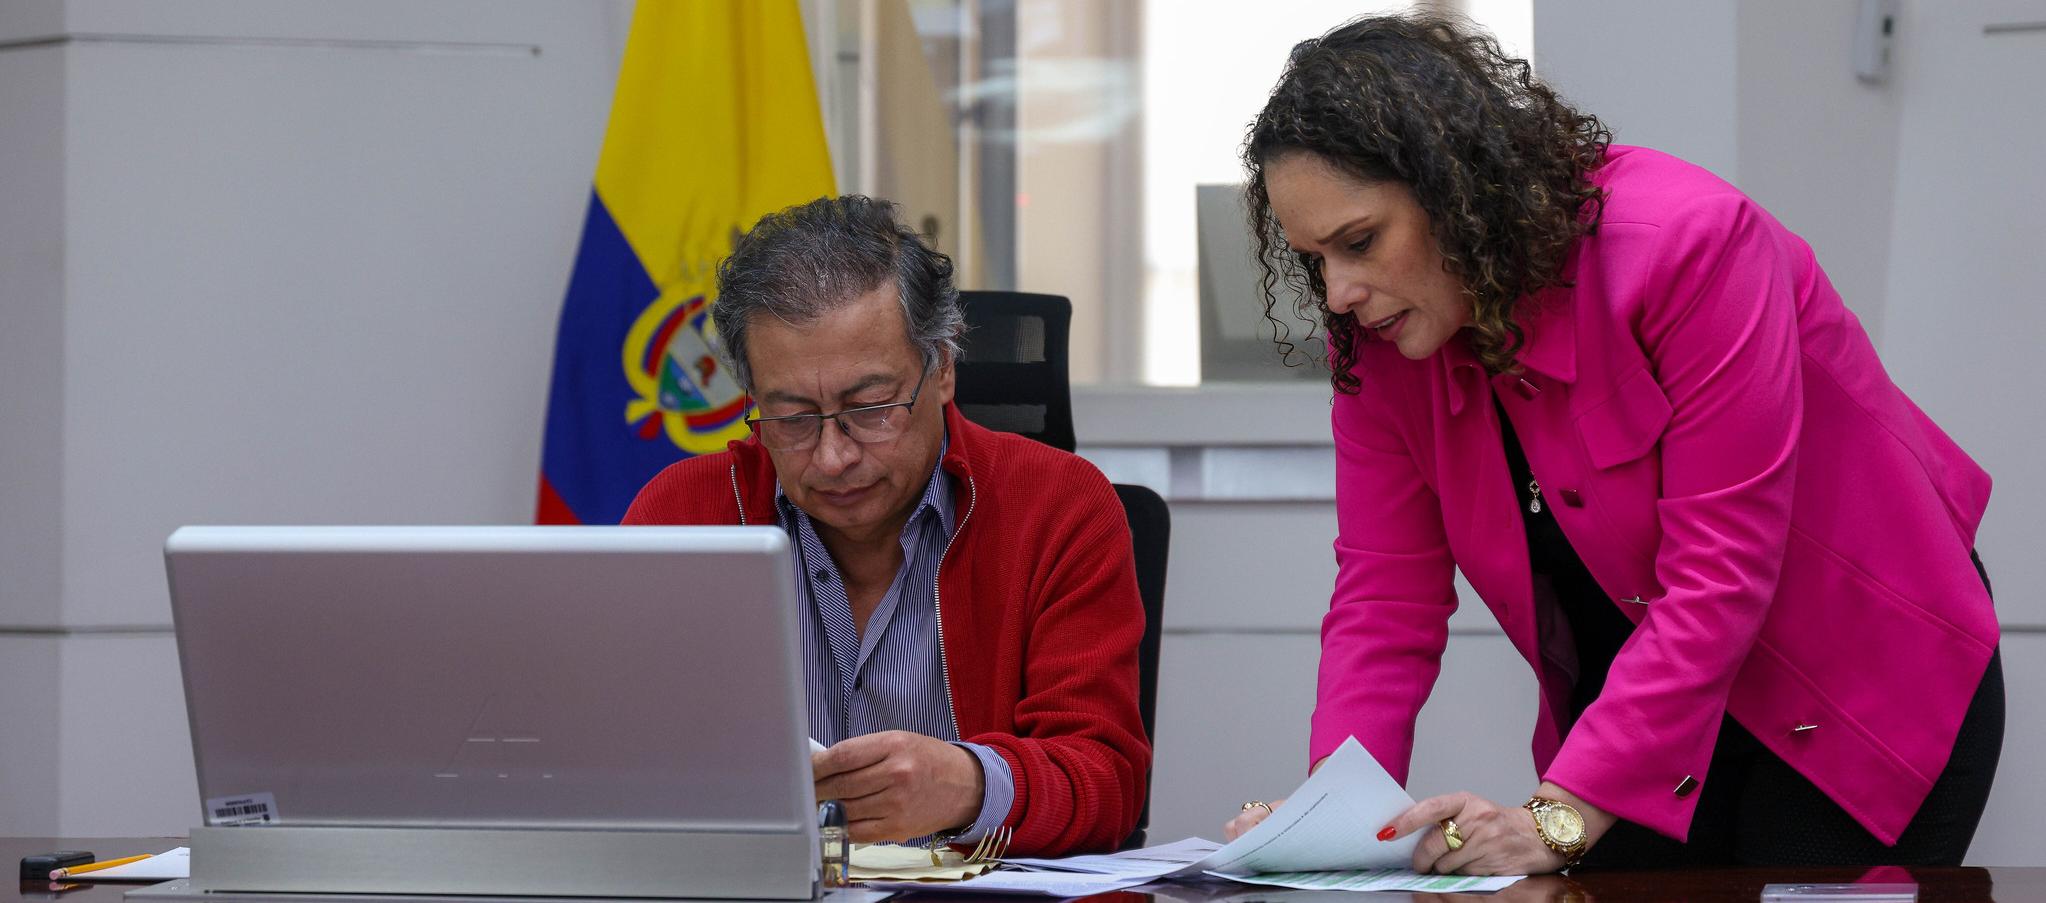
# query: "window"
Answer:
x=1084 y=148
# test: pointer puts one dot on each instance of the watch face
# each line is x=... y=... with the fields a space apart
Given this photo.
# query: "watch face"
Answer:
x=1563 y=826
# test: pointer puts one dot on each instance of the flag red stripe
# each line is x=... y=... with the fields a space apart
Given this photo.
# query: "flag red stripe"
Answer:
x=552 y=509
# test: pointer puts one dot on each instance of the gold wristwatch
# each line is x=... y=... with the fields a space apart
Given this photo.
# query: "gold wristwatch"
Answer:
x=1560 y=826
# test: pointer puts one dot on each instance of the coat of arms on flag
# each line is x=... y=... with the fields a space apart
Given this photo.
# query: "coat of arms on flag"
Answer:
x=672 y=361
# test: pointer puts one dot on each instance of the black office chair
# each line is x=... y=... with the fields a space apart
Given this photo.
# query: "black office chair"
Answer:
x=1151 y=536
x=1013 y=378
x=1012 y=373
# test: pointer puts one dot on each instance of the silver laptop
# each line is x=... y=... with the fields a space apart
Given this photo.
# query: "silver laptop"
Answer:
x=478 y=679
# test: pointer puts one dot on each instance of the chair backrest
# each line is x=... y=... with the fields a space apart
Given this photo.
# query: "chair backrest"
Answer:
x=1012 y=374
x=1150 y=537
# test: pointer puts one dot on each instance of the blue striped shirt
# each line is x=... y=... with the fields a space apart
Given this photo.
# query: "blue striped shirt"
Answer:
x=891 y=676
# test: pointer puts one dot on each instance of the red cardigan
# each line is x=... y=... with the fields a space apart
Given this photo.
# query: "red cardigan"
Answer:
x=1039 y=620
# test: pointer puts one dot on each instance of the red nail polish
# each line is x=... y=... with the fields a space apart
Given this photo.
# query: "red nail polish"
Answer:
x=1387 y=833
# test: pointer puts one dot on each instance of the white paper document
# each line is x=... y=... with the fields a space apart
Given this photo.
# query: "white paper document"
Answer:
x=1382 y=879
x=1329 y=824
x=1323 y=838
x=165 y=866
x=1049 y=884
x=1149 y=862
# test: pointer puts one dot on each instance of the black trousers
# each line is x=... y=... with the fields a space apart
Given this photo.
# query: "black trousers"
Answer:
x=1756 y=810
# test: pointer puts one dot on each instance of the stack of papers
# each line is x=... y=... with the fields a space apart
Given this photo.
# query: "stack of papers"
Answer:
x=1383 y=879
x=1147 y=862
x=1077 y=876
x=871 y=862
x=1321 y=839
x=1048 y=884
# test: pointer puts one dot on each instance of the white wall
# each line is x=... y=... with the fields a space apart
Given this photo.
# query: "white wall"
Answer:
x=1818 y=147
x=1963 y=317
x=31 y=415
x=1966 y=303
x=1680 y=66
x=263 y=262
x=1763 y=94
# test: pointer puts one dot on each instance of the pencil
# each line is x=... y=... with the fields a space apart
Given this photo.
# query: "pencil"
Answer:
x=56 y=874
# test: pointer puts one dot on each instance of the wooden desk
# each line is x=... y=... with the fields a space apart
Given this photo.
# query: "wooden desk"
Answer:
x=1961 y=885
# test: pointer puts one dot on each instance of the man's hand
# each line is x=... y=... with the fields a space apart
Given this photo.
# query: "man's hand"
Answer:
x=896 y=785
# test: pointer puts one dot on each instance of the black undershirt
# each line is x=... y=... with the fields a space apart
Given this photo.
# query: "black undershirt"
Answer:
x=1596 y=626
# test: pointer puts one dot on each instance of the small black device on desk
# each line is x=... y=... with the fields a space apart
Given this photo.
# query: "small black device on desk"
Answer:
x=39 y=866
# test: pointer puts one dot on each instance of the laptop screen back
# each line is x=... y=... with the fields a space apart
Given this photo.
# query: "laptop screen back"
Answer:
x=594 y=677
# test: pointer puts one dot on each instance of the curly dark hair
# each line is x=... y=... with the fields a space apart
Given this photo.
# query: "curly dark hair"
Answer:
x=1500 y=164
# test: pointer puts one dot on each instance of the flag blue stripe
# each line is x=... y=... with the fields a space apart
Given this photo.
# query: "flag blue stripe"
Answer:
x=594 y=459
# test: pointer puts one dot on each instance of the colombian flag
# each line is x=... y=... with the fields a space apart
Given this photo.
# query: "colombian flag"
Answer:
x=715 y=123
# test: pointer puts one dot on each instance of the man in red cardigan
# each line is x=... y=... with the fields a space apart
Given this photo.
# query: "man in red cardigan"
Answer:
x=971 y=616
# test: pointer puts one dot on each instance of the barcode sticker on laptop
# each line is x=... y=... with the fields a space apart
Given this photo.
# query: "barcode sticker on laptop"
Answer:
x=235 y=811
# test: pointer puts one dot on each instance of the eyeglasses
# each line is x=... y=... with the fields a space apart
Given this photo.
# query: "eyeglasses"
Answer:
x=872 y=423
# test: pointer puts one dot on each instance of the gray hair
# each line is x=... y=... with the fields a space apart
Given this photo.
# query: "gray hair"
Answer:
x=803 y=262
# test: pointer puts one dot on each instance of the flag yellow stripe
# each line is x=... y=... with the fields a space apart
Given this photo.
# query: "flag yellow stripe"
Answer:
x=715 y=122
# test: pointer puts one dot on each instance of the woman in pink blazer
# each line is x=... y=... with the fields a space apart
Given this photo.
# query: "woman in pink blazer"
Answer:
x=1628 y=404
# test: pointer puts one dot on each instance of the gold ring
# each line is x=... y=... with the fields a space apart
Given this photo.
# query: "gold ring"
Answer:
x=1451 y=835
x=1258 y=804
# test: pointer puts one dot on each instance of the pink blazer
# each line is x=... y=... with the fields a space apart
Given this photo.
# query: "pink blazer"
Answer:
x=1715 y=434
